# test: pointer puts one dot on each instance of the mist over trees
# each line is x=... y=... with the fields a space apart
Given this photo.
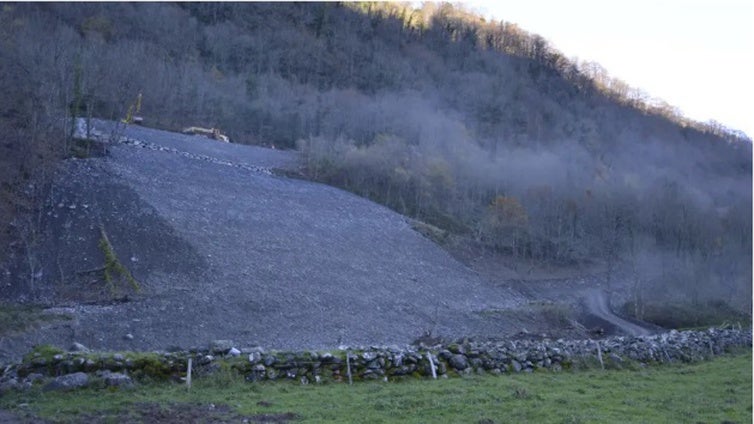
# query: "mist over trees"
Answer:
x=478 y=128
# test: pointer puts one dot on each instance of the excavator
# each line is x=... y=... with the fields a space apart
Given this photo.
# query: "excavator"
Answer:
x=132 y=116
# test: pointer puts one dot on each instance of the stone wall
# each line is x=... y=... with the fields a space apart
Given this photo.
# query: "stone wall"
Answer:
x=381 y=363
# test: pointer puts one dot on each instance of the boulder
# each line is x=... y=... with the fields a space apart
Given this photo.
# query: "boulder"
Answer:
x=78 y=347
x=220 y=347
x=8 y=385
x=68 y=382
x=458 y=362
x=116 y=379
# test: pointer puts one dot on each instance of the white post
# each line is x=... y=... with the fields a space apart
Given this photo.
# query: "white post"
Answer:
x=599 y=355
x=432 y=365
x=188 y=374
x=348 y=365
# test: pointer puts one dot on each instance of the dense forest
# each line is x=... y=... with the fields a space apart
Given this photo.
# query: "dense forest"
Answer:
x=477 y=128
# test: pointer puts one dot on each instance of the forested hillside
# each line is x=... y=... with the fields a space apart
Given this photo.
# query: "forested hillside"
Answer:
x=478 y=128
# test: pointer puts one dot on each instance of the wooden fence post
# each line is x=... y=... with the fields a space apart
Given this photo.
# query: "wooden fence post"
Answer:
x=432 y=365
x=188 y=375
x=599 y=355
x=348 y=367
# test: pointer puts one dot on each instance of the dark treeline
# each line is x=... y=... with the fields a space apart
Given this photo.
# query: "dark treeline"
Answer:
x=478 y=128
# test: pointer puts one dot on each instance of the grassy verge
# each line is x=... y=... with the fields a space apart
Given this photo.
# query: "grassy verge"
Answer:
x=15 y=318
x=715 y=391
x=688 y=315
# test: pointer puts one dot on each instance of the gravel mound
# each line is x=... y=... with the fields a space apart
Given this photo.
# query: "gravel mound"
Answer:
x=221 y=247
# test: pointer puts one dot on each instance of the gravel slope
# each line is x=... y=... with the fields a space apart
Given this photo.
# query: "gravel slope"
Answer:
x=223 y=249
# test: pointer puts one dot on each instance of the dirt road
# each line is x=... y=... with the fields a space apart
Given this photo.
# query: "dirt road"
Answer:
x=596 y=303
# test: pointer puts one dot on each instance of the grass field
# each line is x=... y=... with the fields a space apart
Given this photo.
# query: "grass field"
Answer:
x=716 y=391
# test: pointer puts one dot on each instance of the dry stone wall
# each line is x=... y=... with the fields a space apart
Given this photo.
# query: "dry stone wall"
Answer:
x=379 y=363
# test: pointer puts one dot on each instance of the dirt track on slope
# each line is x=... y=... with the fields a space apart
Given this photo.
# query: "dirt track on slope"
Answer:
x=596 y=304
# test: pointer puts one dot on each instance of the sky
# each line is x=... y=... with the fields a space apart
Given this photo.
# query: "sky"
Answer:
x=696 y=55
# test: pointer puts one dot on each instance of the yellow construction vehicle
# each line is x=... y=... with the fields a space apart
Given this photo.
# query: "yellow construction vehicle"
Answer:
x=132 y=116
x=213 y=133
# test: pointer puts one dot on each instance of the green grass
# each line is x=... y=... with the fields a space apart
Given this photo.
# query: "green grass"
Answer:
x=716 y=391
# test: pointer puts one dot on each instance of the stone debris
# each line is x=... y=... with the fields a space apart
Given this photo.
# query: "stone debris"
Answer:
x=220 y=347
x=68 y=382
x=116 y=379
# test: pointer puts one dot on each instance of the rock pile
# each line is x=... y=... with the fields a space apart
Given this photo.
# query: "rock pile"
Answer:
x=374 y=363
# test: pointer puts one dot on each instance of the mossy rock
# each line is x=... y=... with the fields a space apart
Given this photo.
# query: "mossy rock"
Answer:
x=152 y=366
x=41 y=359
x=46 y=352
x=455 y=348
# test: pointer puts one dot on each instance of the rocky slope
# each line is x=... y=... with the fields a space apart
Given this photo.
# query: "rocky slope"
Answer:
x=223 y=248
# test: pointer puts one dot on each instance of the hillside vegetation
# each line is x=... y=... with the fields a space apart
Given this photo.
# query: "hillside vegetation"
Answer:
x=478 y=128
